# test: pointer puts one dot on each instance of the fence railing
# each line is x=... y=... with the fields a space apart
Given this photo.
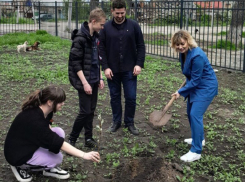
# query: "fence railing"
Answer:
x=217 y=26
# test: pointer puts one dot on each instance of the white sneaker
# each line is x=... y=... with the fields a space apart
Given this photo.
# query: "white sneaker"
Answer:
x=189 y=141
x=190 y=157
x=56 y=172
x=21 y=174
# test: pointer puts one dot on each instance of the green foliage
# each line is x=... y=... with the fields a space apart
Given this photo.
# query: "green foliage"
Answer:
x=227 y=95
x=13 y=20
x=41 y=36
x=223 y=44
x=83 y=8
x=243 y=34
x=157 y=42
x=222 y=33
x=41 y=32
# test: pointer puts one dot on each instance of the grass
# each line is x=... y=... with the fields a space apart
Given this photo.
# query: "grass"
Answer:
x=228 y=45
x=223 y=156
x=13 y=20
x=224 y=33
x=40 y=35
x=157 y=42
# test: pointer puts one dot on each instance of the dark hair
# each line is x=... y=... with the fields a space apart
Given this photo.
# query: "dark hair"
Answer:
x=39 y=97
x=118 y=4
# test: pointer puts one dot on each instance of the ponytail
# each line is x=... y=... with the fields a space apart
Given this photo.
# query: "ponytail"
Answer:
x=32 y=101
x=40 y=97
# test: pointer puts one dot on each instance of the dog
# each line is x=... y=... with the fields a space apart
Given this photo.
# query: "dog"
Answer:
x=34 y=47
x=22 y=47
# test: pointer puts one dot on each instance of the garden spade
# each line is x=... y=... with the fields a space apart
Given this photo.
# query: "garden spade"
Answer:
x=160 y=118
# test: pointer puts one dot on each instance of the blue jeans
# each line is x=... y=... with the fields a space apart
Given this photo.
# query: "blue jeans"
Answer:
x=129 y=82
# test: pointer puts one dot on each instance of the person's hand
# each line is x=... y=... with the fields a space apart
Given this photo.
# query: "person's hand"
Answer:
x=101 y=84
x=137 y=70
x=93 y=156
x=176 y=94
x=87 y=88
x=108 y=73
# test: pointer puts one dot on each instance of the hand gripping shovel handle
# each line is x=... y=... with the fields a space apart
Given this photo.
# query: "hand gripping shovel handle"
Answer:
x=172 y=100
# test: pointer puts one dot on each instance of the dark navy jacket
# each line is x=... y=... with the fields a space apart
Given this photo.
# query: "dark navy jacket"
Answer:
x=121 y=49
x=201 y=81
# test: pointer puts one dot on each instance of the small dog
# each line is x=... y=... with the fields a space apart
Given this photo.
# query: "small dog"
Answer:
x=22 y=47
x=33 y=47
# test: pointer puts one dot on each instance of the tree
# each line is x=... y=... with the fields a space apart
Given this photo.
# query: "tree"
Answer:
x=237 y=21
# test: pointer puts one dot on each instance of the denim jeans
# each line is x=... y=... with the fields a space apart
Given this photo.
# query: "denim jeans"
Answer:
x=87 y=105
x=129 y=82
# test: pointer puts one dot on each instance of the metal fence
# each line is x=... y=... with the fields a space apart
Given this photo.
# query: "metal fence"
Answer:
x=217 y=26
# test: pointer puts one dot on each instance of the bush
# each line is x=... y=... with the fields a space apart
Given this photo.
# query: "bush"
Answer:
x=41 y=32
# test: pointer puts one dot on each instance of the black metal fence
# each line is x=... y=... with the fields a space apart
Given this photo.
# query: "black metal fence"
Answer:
x=217 y=26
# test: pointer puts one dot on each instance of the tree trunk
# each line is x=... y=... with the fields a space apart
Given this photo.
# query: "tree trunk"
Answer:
x=94 y=4
x=237 y=20
x=0 y=12
x=69 y=16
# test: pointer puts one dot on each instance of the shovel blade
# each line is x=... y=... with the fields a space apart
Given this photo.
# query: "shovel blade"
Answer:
x=155 y=116
x=164 y=120
x=158 y=119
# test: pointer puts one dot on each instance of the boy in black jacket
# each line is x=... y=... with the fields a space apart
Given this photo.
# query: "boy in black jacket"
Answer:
x=85 y=75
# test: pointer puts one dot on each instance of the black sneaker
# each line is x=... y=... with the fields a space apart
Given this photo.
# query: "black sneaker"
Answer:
x=133 y=130
x=57 y=172
x=114 y=127
x=91 y=143
x=21 y=174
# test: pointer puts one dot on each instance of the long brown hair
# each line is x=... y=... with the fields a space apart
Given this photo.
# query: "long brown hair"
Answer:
x=40 y=97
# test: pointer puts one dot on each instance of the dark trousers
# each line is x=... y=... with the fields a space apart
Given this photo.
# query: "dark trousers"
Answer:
x=129 y=82
x=87 y=105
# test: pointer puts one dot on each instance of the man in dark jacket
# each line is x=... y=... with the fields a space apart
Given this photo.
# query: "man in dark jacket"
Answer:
x=122 y=50
x=85 y=75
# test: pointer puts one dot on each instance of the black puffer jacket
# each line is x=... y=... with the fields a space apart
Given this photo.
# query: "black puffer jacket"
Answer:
x=80 y=55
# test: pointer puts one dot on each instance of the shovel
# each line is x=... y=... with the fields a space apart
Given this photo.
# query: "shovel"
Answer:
x=160 y=118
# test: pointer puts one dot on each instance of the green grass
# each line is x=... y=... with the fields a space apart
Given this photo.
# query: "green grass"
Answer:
x=157 y=42
x=42 y=36
x=12 y=20
x=224 y=33
x=226 y=44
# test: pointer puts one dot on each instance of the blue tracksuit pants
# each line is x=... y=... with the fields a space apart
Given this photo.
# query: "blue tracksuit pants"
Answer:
x=195 y=112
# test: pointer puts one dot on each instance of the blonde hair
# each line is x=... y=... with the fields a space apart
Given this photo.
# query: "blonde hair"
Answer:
x=96 y=14
x=183 y=34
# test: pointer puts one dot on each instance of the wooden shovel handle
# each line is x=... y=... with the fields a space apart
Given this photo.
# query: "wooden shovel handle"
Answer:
x=172 y=100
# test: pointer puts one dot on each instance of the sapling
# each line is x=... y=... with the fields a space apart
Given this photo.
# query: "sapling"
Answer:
x=99 y=128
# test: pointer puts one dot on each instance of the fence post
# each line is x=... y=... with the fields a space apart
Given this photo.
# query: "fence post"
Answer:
x=39 y=21
x=102 y=5
x=243 y=70
x=181 y=13
x=56 y=19
x=135 y=9
x=76 y=7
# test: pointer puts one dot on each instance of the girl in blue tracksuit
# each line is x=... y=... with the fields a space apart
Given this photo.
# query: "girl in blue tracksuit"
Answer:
x=200 y=89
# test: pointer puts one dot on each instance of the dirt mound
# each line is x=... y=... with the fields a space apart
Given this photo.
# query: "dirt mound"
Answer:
x=146 y=169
